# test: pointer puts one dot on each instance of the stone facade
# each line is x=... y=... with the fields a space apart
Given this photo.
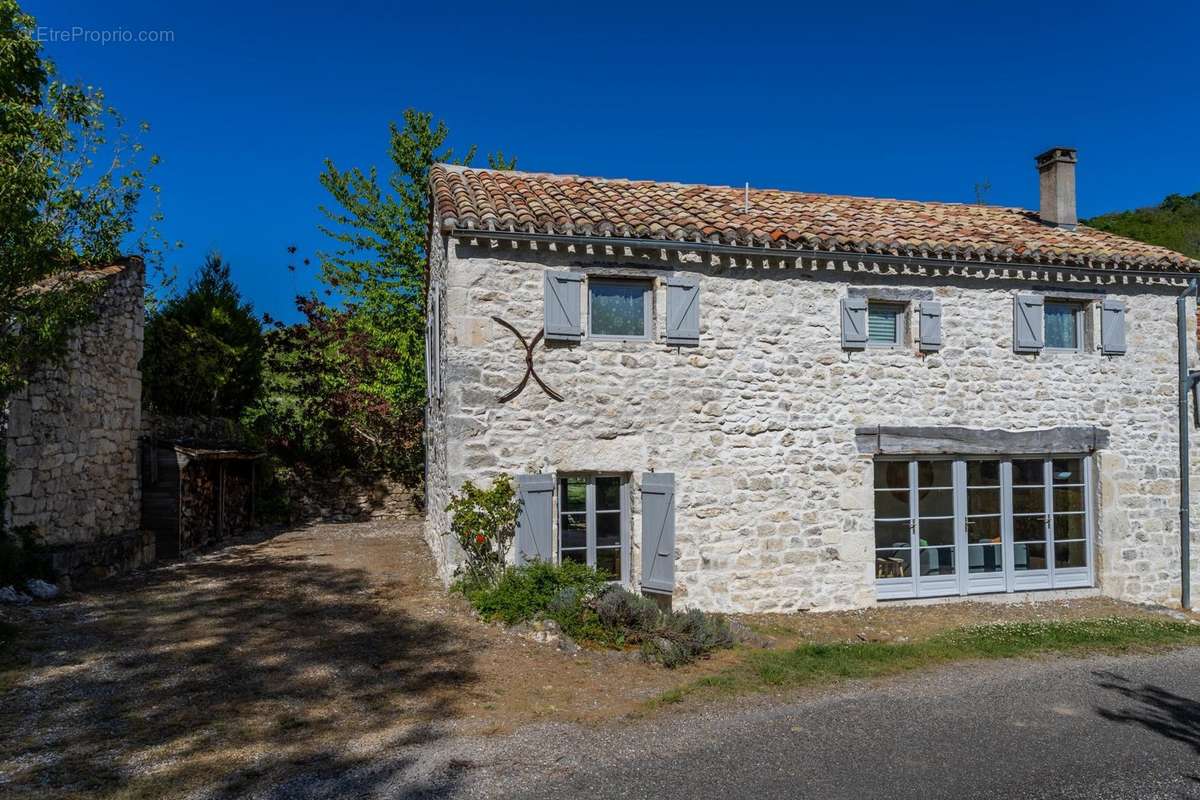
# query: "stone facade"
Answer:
x=774 y=502
x=72 y=440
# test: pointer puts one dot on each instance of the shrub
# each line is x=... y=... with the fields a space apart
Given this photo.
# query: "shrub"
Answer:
x=484 y=522
x=683 y=636
x=527 y=593
x=620 y=608
x=591 y=611
x=19 y=557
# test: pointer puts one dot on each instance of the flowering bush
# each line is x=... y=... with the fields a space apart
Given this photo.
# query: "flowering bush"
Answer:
x=484 y=523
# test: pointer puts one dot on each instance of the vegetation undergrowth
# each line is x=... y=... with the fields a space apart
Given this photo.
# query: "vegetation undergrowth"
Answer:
x=811 y=664
x=596 y=613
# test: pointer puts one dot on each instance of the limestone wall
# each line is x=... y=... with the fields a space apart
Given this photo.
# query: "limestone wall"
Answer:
x=72 y=438
x=774 y=503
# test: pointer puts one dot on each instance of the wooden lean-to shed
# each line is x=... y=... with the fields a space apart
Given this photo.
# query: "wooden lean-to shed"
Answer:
x=194 y=495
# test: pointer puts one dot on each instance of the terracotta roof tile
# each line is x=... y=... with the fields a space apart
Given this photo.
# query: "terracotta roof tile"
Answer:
x=483 y=199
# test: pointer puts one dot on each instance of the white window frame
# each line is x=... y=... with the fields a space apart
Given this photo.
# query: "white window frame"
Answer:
x=1010 y=579
x=901 y=312
x=647 y=287
x=590 y=518
x=1081 y=309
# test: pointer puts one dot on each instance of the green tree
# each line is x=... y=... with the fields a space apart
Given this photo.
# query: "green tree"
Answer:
x=203 y=349
x=374 y=366
x=1174 y=223
x=71 y=180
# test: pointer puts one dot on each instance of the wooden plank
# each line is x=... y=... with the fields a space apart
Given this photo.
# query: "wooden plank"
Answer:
x=918 y=440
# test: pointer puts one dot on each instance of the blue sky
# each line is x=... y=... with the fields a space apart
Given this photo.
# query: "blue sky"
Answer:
x=885 y=99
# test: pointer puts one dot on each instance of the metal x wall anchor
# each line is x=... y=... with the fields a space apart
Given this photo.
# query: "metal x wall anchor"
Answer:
x=529 y=370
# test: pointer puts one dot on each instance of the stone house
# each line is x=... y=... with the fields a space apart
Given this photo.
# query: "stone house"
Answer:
x=756 y=400
x=72 y=439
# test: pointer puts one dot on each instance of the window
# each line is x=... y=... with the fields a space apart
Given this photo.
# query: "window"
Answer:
x=946 y=526
x=885 y=324
x=593 y=520
x=1064 y=325
x=619 y=309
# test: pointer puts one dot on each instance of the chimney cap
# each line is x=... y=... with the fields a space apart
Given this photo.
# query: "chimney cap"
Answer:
x=1065 y=155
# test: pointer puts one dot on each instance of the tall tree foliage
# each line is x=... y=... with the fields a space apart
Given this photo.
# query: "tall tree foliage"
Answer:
x=204 y=349
x=71 y=178
x=1173 y=223
x=348 y=386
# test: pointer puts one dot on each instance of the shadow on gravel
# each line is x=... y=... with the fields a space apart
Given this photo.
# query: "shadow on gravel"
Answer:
x=248 y=675
x=1154 y=708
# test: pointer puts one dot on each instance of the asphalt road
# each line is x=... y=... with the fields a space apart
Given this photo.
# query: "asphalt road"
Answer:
x=1104 y=727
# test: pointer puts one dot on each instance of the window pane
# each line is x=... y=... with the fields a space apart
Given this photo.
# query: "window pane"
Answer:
x=935 y=473
x=891 y=534
x=1029 y=556
x=883 y=323
x=1068 y=499
x=1062 y=325
x=574 y=494
x=891 y=474
x=893 y=564
x=574 y=530
x=1029 y=501
x=985 y=558
x=1067 y=470
x=1069 y=526
x=983 y=529
x=983 y=473
x=936 y=531
x=983 y=501
x=1070 y=554
x=609 y=561
x=608 y=494
x=891 y=504
x=1029 y=529
x=608 y=528
x=618 y=309
x=578 y=556
x=937 y=561
x=1028 y=472
x=935 y=502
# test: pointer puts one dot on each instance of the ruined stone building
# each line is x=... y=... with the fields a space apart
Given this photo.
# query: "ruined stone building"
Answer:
x=72 y=440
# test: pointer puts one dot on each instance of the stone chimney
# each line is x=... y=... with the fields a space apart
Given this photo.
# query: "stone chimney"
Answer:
x=1056 y=179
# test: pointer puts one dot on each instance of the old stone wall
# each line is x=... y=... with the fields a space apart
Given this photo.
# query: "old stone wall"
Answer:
x=774 y=503
x=72 y=438
x=439 y=440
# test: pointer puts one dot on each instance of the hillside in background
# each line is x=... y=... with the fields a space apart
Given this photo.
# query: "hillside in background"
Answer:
x=1173 y=223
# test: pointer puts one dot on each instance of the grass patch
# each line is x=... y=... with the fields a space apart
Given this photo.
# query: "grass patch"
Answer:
x=812 y=664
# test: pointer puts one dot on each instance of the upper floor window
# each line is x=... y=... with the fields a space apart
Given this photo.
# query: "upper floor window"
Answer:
x=1064 y=325
x=618 y=309
x=885 y=324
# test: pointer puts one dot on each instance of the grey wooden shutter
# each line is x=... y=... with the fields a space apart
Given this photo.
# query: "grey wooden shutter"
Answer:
x=658 y=531
x=535 y=520
x=854 y=323
x=1112 y=327
x=683 y=309
x=1029 y=333
x=930 y=327
x=562 y=319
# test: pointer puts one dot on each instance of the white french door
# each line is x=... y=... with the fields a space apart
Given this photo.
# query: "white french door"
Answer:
x=959 y=526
